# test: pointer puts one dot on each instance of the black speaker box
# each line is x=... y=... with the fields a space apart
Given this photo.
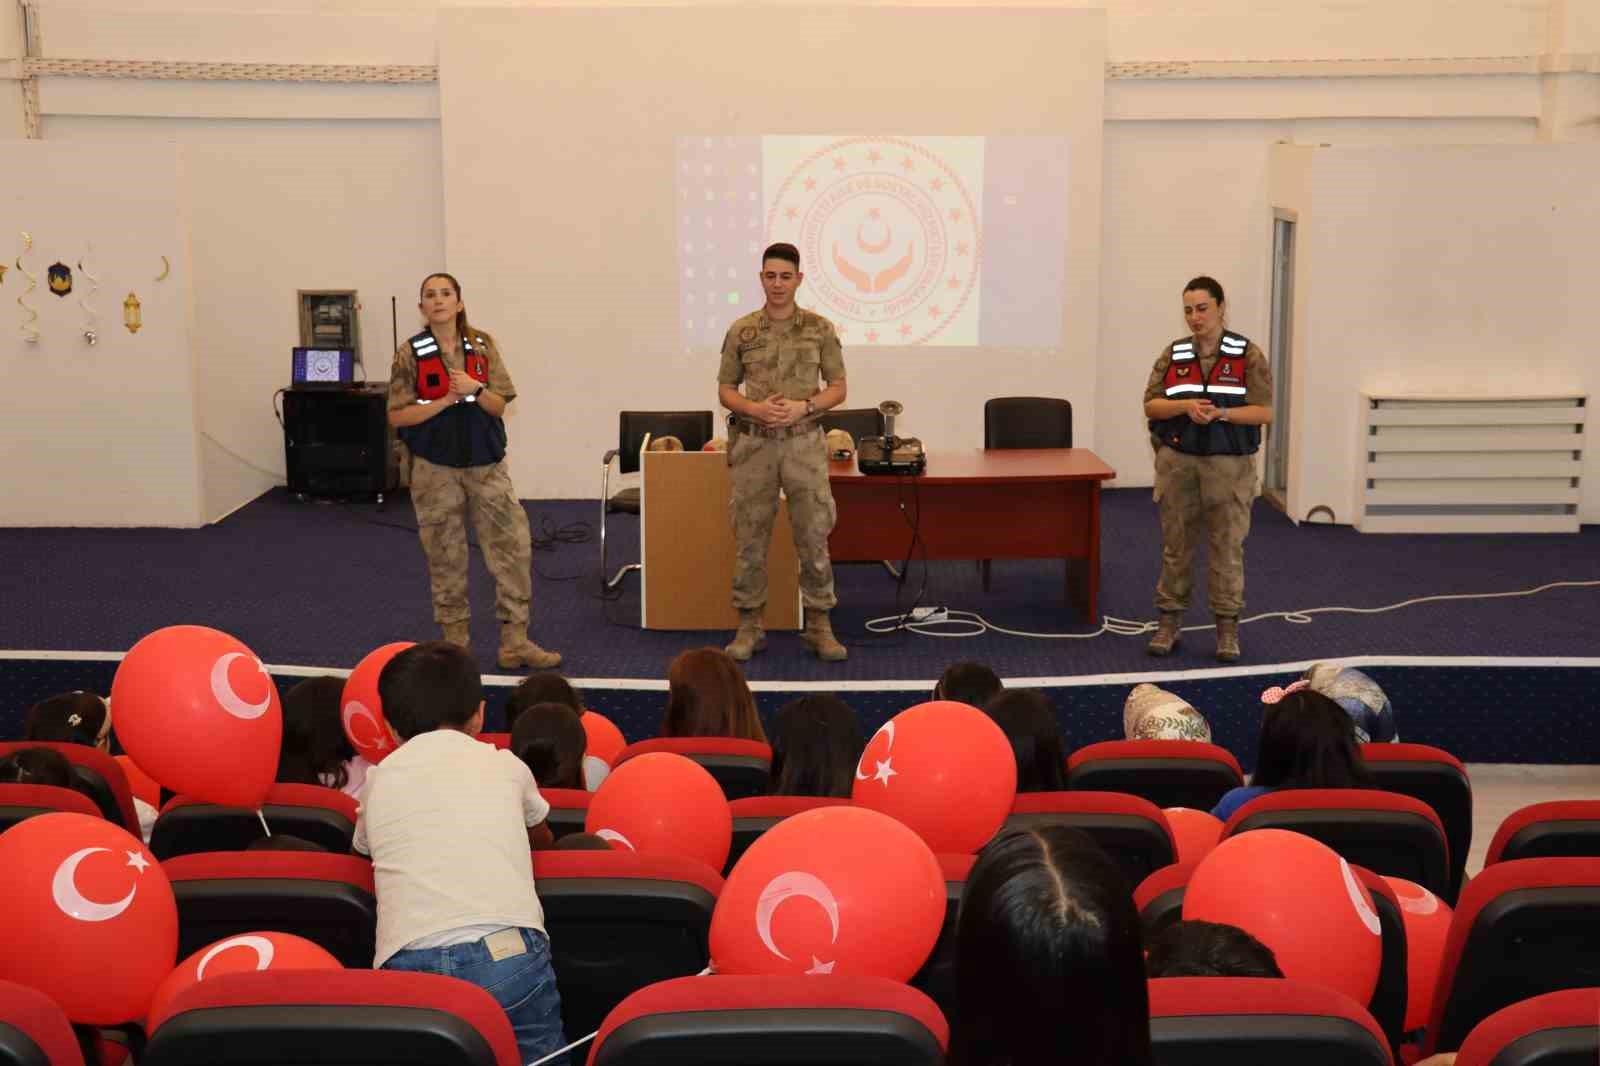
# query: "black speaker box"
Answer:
x=338 y=442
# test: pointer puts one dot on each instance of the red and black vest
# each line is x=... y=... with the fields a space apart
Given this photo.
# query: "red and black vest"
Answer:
x=1225 y=386
x=464 y=434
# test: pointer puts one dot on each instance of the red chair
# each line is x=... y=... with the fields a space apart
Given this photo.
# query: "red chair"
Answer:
x=1159 y=897
x=1556 y=1029
x=1562 y=829
x=1438 y=779
x=737 y=1021
x=1386 y=832
x=34 y=1030
x=324 y=816
x=1203 y=1021
x=619 y=921
x=754 y=815
x=18 y=802
x=498 y=740
x=937 y=978
x=1522 y=929
x=328 y=899
x=292 y=1017
x=1132 y=831
x=98 y=774
x=569 y=809
x=1168 y=773
x=742 y=767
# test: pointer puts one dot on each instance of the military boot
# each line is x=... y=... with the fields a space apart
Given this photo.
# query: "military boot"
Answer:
x=1227 y=639
x=818 y=636
x=1168 y=633
x=457 y=633
x=516 y=650
x=750 y=639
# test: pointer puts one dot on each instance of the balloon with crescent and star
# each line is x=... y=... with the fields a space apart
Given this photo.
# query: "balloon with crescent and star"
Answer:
x=360 y=703
x=242 y=953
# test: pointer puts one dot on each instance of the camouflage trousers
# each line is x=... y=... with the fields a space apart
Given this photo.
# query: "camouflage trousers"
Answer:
x=443 y=496
x=1203 y=495
x=759 y=467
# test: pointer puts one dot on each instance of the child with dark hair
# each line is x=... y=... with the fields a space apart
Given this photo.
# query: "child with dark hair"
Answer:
x=447 y=821
x=541 y=688
x=1209 y=949
x=36 y=766
x=315 y=750
x=1307 y=741
x=549 y=738
x=1030 y=724
x=816 y=743
x=967 y=682
x=70 y=718
x=1049 y=962
x=707 y=696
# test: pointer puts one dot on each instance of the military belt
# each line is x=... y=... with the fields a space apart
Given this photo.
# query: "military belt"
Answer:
x=755 y=429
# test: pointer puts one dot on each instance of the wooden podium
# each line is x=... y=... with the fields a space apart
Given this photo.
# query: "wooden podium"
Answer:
x=686 y=544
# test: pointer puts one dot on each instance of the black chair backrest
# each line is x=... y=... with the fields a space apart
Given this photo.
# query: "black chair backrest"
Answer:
x=1196 y=783
x=339 y=917
x=1389 y=996
x=937 y=978
x=857 y=421
x=201 y=827
x=1138 y=846
x=1027 y=422
x=1444 y=788
x=693 y=428
x=1393 y=843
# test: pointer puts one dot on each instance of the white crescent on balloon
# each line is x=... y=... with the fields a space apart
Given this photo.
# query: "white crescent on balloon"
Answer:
x=1426 y=903
x=64 y=889
x=792 y=885
x=595 y=771
x=887 y=727
x=229 y=700
x=259 y=944
x=1358 y=899
x=356 y=709
x=612 y=834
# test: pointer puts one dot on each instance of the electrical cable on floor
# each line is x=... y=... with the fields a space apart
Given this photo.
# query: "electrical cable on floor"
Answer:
x=972 y=624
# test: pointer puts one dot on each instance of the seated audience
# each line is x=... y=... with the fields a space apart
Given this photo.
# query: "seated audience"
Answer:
x=541 y=688
x=549 y=738
x=1049 y=963
x=816 y=743
x=36 y=766
x=707 y=697
x=1152 y=713
x=967 y=682
x=82 y=718
x=1209 y=949
x=315 y=750
x=1030 y=724
x=1307 y=741
x=1360 y=696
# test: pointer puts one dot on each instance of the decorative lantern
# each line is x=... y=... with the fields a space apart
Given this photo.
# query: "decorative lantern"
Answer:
x=130 y=313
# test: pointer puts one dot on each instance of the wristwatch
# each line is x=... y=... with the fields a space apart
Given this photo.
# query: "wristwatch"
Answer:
x=473 y=398
x=1222 y=414
x=811 y=408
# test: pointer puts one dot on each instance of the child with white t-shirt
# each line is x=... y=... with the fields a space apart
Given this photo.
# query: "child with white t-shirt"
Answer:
x=448 y=822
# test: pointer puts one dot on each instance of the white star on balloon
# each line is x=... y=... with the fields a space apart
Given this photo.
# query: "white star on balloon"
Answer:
x=819 y=967
x=885 y=771
x=137 y=861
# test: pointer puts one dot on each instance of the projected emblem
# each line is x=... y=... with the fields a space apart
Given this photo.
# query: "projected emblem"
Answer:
x=888 y=236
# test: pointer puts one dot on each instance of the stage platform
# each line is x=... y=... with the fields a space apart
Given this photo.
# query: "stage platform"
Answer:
x=313 y=586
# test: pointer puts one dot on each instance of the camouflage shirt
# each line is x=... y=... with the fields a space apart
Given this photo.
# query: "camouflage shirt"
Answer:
x=784 y=358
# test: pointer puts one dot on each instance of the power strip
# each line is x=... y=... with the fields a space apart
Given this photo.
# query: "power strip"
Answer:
x=930 y=614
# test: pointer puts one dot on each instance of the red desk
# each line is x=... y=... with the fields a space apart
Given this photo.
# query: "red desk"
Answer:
x=1025 y=504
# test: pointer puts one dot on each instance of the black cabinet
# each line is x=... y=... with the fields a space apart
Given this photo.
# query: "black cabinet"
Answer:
x=337 y=442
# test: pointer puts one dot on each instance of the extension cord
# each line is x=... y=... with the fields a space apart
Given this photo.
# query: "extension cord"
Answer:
x=930 y=614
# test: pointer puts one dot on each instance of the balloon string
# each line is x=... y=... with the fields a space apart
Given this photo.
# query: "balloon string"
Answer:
x=582 y=1040
x=263 y=818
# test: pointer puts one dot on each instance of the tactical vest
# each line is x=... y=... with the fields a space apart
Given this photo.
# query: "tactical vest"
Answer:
x=464 y=434
x=1225 y=387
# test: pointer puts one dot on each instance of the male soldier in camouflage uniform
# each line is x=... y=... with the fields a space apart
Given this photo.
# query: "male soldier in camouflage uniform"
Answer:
x=1206 y=400
x=458 y=442
x=778 y=354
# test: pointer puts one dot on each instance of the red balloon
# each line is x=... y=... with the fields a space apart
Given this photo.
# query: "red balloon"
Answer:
x=834 y=890
x=197 y=710
x=361 y=710
x=141 y=784
x=1194 y=832
x=664 y=804
x=1427 y=920
x=945 y=769
x=605 y=739
x=89 y=919
x=1298 y=897
x=245 y=953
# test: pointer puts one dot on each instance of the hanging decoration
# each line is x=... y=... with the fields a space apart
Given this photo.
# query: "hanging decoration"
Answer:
x=30 y=332
x=166 y=268
x=131 y=316
x=60 y=278
x=91 y=332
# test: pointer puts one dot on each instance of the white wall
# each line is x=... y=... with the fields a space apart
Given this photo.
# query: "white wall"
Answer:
x=98 y=434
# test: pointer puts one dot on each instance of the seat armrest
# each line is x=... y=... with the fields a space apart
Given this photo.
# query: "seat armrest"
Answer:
x=610 y=455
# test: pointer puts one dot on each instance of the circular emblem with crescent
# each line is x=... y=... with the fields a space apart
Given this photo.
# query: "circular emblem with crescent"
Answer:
x=1358 y=900
x=64 y=888
x=228 y=699
x=258 y=944
x=323 y=366
x=888 y=233
x=356 y=709
x=795 y=884
x=747 y=334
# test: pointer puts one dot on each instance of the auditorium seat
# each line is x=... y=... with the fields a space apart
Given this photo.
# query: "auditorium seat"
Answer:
x=328 y=899
x=34 y=1030
x=1521 y=929
x=742 y=767
x=781 y=1021
x=497 y=740
x=1438 y=779
x=937 y=978
x=1386 y=832
x=353 y=1017
x=1560 y=829
x=98 y=775
x=692 y=428
x=1204 y=1021
x=1168 y=773
x=569 y=809
x=18 y=802
x=1159 y=897
x=754 y=815
x=1555 y=1029
x=324 y=816
x=1132 y=831
x=619 y=921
